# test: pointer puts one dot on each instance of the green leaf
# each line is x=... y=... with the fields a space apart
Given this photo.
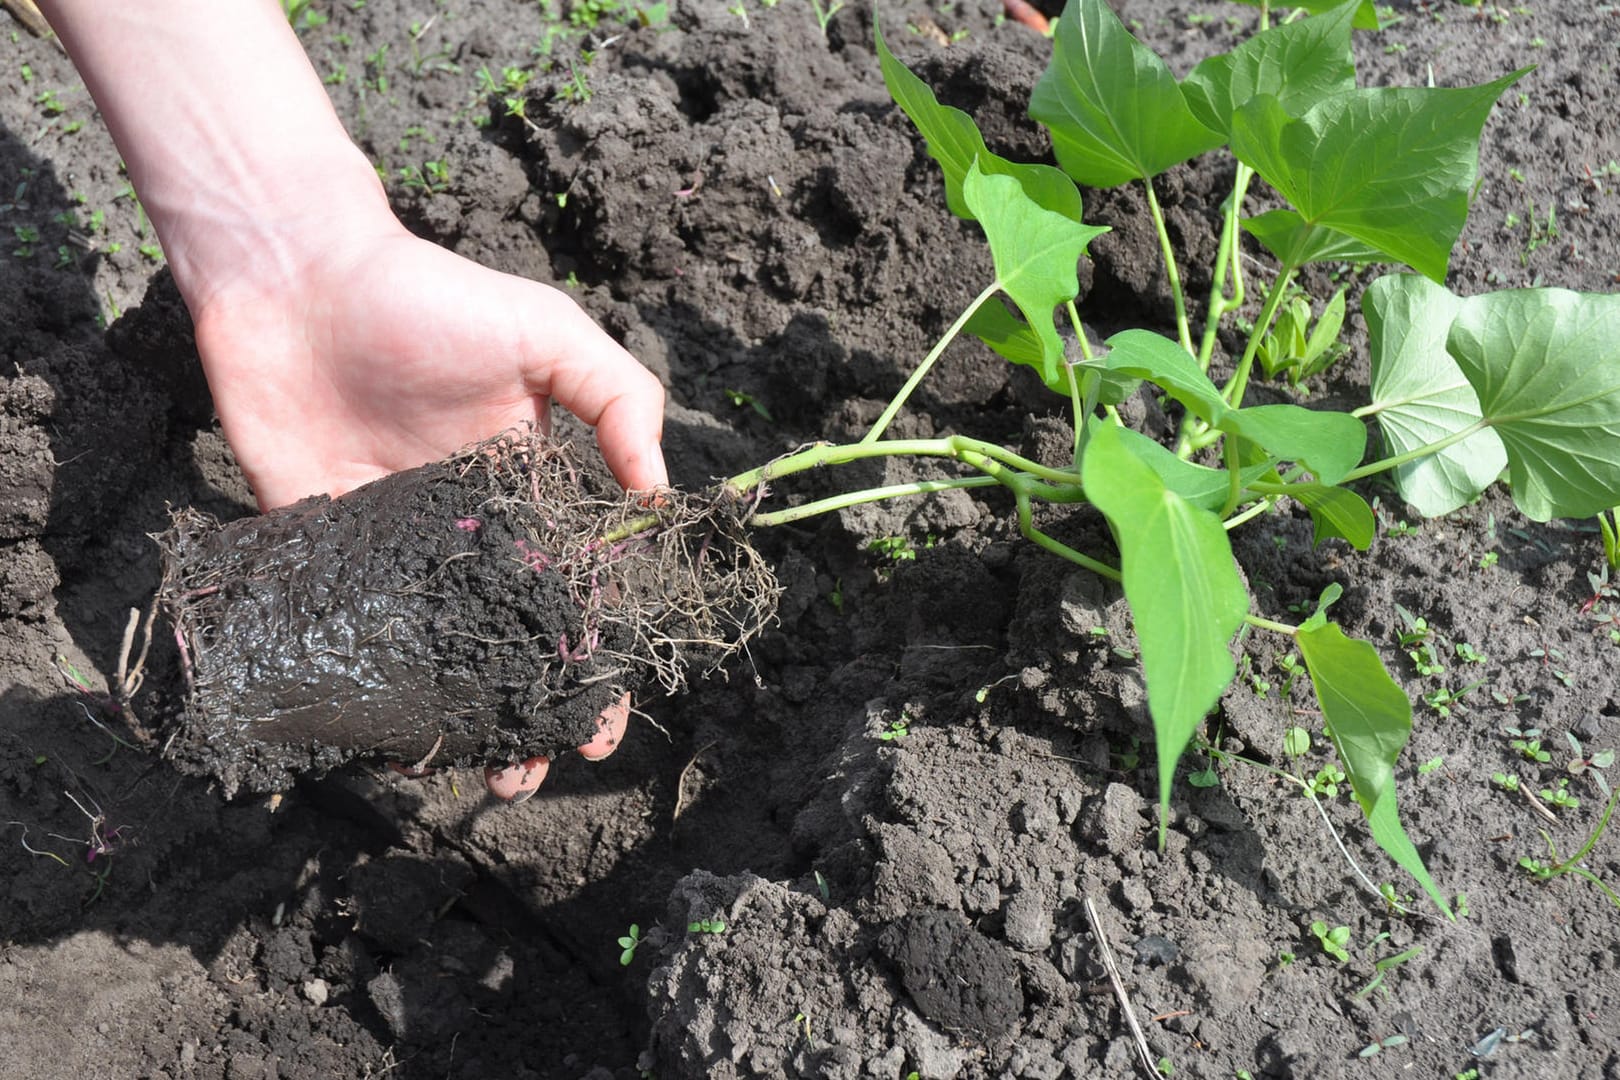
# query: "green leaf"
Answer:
x=1366 y=12
x=1299 y=63
x=1420 y=395
x=1337 y=512
x=1203 y=487
x=1031 y=216
x=1186 y=597
x=1112 y=106
x=1546 y=366
x=1294 y=243
x=1329 y=443
x=1392 y=168
x=1369 y=719
x=952 y=137
x=1012 y=339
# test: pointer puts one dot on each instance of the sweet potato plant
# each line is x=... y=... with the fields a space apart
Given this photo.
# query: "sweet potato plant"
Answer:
x=1463 y=389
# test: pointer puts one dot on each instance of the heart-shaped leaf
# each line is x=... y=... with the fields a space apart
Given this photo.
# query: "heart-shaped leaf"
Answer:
x=1420 y=396
x=1203 y=487
x=1369 y=719
x=1186 y=597
x=1391 y=167
x=1299 y=63
x=1546 y=366
x=1114 y=109
x=1294 y=243
x=1031 y=216
x=1337 y=512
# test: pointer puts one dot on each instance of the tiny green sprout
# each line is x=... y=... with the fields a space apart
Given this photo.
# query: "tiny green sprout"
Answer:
x=897 y=729
x=1373 y=1049
x=1206 y=777
x=1508 y=782
x=1393 y=899
x=897 y=548
x=40 y=759
x=803 y=1020
x=715 y=925
x=1517 y=175
x=821 y=887
x=1467 y=1074
x=1285 y=958
x=1325 y=784
x=1292 y=670
x=629 y=943
x=1583 y=764
x=1547 y=870
x=1296 y=742
x=739 y=399
x=1470 y=655
x=1426 y=660
x=1431 y=765
x=1333 y=941
x=1417 y=628
x=1460 y=905
x=1488 y=560
x=1527 y=744
x=1609 y=527
x=1165 y=1067
x=836 y=597
x=824 y=14
x=1558 y=795
x=1443 y=699
x=153 y=252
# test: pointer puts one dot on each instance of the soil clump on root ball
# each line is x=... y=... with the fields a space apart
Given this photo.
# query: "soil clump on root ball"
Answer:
x=482 y=608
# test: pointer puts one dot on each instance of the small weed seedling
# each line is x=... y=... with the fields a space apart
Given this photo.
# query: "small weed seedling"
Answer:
x=1444 y=699
x=1558 y=795
x=898 y=729
x=1527 y=744
x=1334 y=942
x=1556 y=867
x=1508 y=782
x=1593 y=765
x=715 y=925
x=1461 y=388
x=1390 y=1043
x=629 y=943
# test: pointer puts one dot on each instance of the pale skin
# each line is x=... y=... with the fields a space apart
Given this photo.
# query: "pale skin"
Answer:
x=338 y=347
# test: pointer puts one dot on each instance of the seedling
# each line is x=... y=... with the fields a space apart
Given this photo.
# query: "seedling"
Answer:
x=825 y=13
x=1334 y=942
x=1326 y=782
x=897 y=729
x=1556 y=867
x=1508 y=782
x=1470 y=655
x=1592 y=765
x=1297 y=349
x=1558 y=795
x=1436 y=762
x=1527 y=744
x=715 y=925
x=1443 y=700
x=1461 y=388
x=1374 y=1049
x=739 y=399
x=1609 y=528
x=629 y=943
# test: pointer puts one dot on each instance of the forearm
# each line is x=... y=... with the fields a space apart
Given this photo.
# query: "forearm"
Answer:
x=227 y=133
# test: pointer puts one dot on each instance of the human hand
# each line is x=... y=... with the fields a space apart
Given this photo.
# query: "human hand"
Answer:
x=515 y=783
x=383 y=351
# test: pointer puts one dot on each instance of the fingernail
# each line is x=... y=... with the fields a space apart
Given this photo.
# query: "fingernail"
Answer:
x=522 y=796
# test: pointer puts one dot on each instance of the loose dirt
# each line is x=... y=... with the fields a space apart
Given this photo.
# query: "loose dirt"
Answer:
x=733 y=196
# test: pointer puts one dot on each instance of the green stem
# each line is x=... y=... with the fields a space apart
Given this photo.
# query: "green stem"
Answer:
x=1182 y=332
x=1248 y=515
x=1267 y=624
x=1057 y=547
x=951 y=446
x=1227 y=257
x=855 y=498
x=1240 y=378
x=1413 y=455
x=934 y=354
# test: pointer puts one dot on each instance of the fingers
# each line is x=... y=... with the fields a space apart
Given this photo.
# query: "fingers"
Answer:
x=517 y=783
x=572 y=360
x=609 y=730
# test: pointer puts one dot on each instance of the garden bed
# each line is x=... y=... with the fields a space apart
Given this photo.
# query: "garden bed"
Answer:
x=900 y=799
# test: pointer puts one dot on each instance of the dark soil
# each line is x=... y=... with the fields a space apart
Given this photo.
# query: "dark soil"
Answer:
x=739 y=203
x=484 y=608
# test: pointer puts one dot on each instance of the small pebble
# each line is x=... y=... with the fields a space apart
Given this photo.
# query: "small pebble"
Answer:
x=316 y=991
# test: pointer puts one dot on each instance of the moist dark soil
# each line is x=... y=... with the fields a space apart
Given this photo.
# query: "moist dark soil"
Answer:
x=480 y=609
x=899 y=800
